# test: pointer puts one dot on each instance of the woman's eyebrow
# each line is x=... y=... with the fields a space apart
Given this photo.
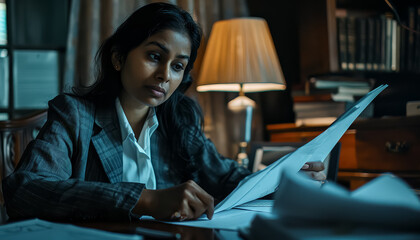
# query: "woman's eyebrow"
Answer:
x=166 y=50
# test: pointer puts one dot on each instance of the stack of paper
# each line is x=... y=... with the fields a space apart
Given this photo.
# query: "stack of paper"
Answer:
x=386 y=200
x=384 y=206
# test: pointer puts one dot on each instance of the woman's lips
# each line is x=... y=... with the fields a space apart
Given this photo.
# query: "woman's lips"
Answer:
x=157 y=91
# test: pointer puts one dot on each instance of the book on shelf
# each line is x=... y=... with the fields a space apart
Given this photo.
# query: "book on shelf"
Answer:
x=351 y=43
x=342 y=97
x=317 y=113
x=370 y=51
x=315 y=121
x=360 y=44
x=318 y=109
x=383 y=50
x=377 y=60
x=410 y=41
x=388 y=43
x=403 y=46
x=356 y=91
x=332 y=82
x=416 y=64
x=342 y=43
x=342 y=88
x=396 y=47
x=349 y=94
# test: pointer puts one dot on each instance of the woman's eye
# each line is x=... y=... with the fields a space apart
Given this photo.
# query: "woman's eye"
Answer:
x=178 y=67
x=154 y=56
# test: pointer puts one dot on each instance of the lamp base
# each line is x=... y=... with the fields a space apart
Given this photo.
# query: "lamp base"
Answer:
x=242 y=157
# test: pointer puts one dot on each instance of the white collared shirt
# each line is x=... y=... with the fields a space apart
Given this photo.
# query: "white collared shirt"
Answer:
x=137 y=163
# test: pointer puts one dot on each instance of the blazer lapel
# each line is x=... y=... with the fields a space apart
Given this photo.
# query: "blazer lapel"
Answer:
x=108 y=143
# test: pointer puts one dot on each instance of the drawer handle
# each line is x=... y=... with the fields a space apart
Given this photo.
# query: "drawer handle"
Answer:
x=397 y=147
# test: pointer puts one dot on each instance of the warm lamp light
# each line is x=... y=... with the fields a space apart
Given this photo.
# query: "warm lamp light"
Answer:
x=241 y=57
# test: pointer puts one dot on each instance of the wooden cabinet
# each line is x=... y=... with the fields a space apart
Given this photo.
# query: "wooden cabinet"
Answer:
x=369 y=148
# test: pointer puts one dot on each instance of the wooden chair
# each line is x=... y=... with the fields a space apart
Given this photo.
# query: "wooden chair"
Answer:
x=14 y=137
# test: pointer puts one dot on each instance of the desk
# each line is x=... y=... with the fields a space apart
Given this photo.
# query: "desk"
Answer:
x=368 y=148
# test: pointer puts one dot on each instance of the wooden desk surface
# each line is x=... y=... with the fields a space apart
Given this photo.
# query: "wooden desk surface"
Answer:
x=129 y=227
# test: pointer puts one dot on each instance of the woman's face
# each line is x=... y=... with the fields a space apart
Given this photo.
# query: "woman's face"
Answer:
x=153 y=70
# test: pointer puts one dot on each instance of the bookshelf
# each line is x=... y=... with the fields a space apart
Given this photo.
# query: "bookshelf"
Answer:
x=33 y=36
x=358 y=36
x=361 y=40
x=369 y=146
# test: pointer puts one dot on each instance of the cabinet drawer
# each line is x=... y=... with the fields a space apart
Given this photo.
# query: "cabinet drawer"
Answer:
x=395 y=149
x=348 y=144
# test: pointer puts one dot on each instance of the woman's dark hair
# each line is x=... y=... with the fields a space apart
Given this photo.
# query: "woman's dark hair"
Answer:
x=177 y=114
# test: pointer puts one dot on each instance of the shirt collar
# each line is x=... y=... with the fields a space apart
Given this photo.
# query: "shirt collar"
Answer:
x=151 y=121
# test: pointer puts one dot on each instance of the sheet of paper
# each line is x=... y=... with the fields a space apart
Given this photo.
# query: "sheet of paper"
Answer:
x=378 y=191
x=258 y=205
x=223 y=234
x=266 y=181
x=386 y=201
x=39 y=229
x=232 y=219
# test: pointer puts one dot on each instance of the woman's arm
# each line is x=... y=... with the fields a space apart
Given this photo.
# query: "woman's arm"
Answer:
x=217 y=174
x=50 y=179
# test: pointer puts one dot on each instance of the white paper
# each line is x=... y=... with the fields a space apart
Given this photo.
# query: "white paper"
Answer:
x=231 y=219
x=384 y=208
x=266 y=181
x=36 y=229
x=379 y=191
x=258 y=205
x=385 y=201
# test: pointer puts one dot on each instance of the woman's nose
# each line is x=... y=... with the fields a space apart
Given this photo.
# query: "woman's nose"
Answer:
x=163 y=72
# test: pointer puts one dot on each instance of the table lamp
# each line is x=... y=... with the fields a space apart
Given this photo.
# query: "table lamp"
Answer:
x=241 y=57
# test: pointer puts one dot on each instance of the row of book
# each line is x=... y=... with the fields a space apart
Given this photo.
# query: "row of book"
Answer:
x=378 y=42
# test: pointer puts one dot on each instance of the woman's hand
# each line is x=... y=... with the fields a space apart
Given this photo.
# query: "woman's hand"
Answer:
x=313 y=170
x=183 y=202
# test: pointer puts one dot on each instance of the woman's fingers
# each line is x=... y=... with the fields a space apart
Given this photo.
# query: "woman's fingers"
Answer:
x=313 y=170
x=318 y=176
x=182 y=202
x=313 y=166
x=187 y=212
x=193 y=206
x=206 y=201
x=195 y=202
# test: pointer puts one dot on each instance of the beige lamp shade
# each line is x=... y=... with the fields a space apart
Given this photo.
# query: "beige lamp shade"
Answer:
x=240 y=52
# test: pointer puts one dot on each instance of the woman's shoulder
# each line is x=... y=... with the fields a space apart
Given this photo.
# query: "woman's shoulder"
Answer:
x=69 y=101
x=71 y=107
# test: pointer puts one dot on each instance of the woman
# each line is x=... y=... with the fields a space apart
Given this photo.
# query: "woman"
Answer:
x=132 y=143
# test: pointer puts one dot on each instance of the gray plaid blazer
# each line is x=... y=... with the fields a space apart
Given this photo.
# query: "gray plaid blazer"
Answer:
x=73 y=169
